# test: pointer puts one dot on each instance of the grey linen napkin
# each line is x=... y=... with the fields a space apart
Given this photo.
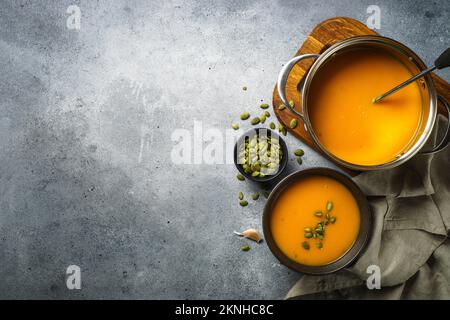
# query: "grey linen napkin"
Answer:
x=410 y=206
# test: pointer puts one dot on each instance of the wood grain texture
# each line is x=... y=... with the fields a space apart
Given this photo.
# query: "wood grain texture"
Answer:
x=321 y=38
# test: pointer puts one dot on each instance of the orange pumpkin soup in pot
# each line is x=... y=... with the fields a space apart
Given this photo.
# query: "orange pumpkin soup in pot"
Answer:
x=306 y=204
x=344 y=118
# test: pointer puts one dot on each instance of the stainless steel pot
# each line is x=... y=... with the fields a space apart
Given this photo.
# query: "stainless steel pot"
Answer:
x=398 y=50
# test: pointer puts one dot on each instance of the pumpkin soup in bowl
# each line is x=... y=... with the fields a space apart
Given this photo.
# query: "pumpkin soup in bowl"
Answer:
x=316 y=221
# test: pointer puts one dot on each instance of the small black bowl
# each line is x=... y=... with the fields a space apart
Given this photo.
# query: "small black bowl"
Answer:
x=356 y=248
x=283 y=162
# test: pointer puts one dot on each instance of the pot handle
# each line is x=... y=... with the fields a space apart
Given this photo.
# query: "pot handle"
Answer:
x=446 y=139
x=283 y=76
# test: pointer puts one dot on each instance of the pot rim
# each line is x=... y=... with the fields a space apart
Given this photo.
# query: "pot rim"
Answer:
x=354 y=41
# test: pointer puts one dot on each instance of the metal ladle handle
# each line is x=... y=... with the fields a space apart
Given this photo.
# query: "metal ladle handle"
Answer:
x=283 y=76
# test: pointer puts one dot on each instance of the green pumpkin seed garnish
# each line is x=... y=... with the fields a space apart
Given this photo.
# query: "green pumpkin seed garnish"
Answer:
x=319 y=236
x=255 y=121
x=235 y=126
x=255 y=174
x=329 y=205
x=281 y=107
x=318 y=213
x=245 y=116
x=299 y=152
x=255 y=196
x=327 y=215
x=293 y=123
x=243 y=203
x=308 y=230
x=267 y=113
x=319 y=245
x=272 y=126
x=241 y=196
x=291 y=103
x=245 y=248
x=240 y=177
x=305 y=245
x=308 y=235
x=262 y=118
x=333 y=219
x=264 y=106
x=299 y=160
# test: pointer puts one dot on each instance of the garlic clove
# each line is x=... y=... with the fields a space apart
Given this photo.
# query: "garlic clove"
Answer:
x=251 y=234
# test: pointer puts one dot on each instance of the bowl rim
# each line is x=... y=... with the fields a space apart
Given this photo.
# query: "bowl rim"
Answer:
x=354 y=251
x=284 y=158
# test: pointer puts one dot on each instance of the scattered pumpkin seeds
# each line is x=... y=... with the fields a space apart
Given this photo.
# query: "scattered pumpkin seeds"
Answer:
x=333 y=219
x=299 y=160
x=255 y=196
x=240 y=177
x=299 y=152
x=305 y=245
x=245 y=116
x=329 y=206
x=308 y=235
x=281 y=107
x=235 y=126
x=255 y=121
x=245 y=248
x=262 y=118
x=241 y=196
x=293 y=123
x=243 y=203
x=318 y=213
x=267 y=113
x=272 y=126
x=292 y=103
x=319 y=245
x=264 y=106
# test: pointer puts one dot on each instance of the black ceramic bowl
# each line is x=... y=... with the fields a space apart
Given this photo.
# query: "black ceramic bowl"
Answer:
x=358 y=245
x=283 y=162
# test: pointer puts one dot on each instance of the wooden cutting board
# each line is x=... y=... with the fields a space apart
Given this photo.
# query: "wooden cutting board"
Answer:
x=321 y=38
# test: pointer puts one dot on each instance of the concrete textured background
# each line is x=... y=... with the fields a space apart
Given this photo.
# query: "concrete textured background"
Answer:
x=86 y=119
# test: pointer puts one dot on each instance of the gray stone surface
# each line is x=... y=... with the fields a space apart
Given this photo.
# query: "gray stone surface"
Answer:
x=86 y=119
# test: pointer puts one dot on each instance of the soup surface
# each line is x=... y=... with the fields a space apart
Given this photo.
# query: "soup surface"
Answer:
x=294 y=211
x=343 y=116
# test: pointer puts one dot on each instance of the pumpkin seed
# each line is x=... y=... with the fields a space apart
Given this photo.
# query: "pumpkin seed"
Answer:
x=305 y=245
x=308 y=230
x=272 y=125
x=264 y=106
x=329 y=205
x=241 y=196
x=299 y=152
x=319 y=236
x=245 y=116
x=292 y=103
x=255 y=121
x=255 y=196
x=262 y=118
x=255 y=174
x=267 y=113
x=293 y=123
x=299 y=160
x=240 y=177
x=235 y=126
x=308 y=235
x=243 y=203
x=245 y=248
x=319 y=245
x=281 y=107
x=333 y=219
x=318 y=213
